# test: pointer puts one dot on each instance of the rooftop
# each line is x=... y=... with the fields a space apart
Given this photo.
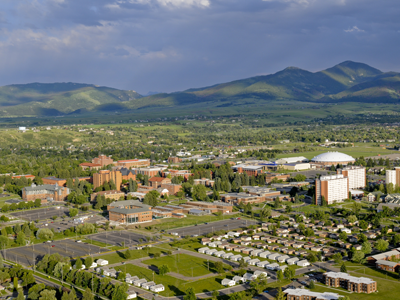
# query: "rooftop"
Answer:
x=349 y=277
x=304 y=292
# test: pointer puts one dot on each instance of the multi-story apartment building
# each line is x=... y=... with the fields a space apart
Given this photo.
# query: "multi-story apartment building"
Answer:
x=303 y=294
x=106 y=176
x=356 y=175
x=350 y=283
x=334 y=188
x=46 y=192
x=393 y=176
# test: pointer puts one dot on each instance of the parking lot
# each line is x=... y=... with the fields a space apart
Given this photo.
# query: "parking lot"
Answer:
x=117 y=238
x=61 y=225
x=203 y=229
x=69 y=248
x=41 y=214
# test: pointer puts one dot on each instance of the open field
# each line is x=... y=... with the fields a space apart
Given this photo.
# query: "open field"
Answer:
x=41 y=214
x=119 y=238
x=203 y=229
x=184 y=264
x=174 y=286
x=118 y=257
x=28 y=254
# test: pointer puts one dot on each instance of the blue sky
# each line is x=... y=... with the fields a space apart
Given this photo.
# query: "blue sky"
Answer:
x=171 y=45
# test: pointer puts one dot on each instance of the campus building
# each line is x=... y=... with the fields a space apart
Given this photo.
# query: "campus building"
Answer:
x=157 y=182
x=104 y=176
x=133 y=163
x=103 y=160
x=357 y=176
x=332 y=158
x=334 y=188
x=350 y=283
x=127 y=174
x=303 y=294
x=129 y=212
x=113 y=194
x=46 y=192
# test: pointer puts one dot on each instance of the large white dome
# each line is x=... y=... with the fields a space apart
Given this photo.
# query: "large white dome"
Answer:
x=333 y=157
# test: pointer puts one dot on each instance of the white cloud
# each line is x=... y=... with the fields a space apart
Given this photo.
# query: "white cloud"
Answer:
x=171 y=3
x=354 y=29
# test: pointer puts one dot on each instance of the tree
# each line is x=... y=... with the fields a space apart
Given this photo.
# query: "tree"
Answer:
x=352 y=219
x=363 y=224
x=151 y=198
x=164 y=269
x=277 y=202
x=337 y=257
x=279 y=275
x=73 y=212
x=366 y=247
x=343 y=268
x=190 y=295
x=356 y=208
x=88 y=262
x=265 y=213
x=199 y=192
x=87 y=295
x=44 y=234
x=381 y=245
x=343 y=236
x=280 y=295
x=127 y=254
x=358 y=256
x=219 y=267
x=78 y=264
x=20 y=295
x=311 y=286
x=323 y=201
x=21 y=239
x=47 y=295
x=289 y=273
x=242 y=263
x=312 y=258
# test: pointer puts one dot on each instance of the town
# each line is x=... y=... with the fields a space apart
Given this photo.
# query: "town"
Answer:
x=206 y=226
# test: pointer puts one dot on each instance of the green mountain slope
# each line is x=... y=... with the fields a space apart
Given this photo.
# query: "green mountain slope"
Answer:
x=57 y=98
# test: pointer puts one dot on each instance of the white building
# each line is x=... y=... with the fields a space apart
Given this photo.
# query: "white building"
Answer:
x=306 y=294
x=334 y=188
x=391 y=176
x=228 y=282
x=157 y=288
x=356 y=175
x=102 y=262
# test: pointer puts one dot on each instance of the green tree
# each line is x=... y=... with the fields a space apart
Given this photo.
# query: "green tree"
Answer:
x=289 y=273
x=280 y=295
x=311 y=286
x=190 y=295
x=20 y=295
x=21 y=239
x=358 y=257
x=164 y=269
x=381 y=245
x=337 y=257
x=352 y=219
x=78 y=264
x=366 y=247
x=44 y=234
x=343 y=268
x=47 y=295
x=127 y=254
x=73 y=212
x=88 y=262
x=219 y=267
x=87 y=295
x=279 y=275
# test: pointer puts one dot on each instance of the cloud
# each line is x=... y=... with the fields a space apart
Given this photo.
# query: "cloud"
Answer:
x=170 y=45
x=354 y=29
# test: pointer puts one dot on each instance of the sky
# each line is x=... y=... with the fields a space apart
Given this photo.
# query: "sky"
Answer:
x=173 y=45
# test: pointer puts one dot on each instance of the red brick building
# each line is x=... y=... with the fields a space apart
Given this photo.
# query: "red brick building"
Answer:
x=90 y=166
x=350 y=283
x=104 y=176
x=156 y=182
x=113 y=194
x=133 y=163
x=103 y=160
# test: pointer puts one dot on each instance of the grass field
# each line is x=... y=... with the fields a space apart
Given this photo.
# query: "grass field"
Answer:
x=184 y=264
x=4 y=199
x=174 y=286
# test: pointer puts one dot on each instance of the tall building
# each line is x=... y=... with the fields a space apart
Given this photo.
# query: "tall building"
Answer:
x=357 y=176
x=393 y=176
x=106 y=176
x=334 y=188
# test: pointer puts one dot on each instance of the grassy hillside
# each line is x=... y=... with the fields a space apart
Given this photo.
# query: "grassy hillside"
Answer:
x=53 y=99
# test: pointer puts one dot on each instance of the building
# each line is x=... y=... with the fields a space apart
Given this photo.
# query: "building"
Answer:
x=172 y=188
x=296 y=166
x=357 y=176
x=174 y=160
x=127 y=174
x=250 y=170
x=150 y=171
x=334 y=188
x=28 y=176
x=103 y=160
x=387 y=265
x=104 y=176
x=54 y=180
x=350 y=283
x=173 y=173
x=129 y=212
x=133 y=163
x=89 y=166
x=393 y=176
x=384 y=256
x=113 y=194
x=46 y=192
x=303 y=294
x=274 y=176
x=291 y=160
x=332 y=158
x=157 y=182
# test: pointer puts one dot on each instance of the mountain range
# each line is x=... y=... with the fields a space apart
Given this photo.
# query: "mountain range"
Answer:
x=346 y=82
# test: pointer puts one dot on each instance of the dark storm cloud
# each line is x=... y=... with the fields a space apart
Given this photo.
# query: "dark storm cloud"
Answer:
x=169 y=45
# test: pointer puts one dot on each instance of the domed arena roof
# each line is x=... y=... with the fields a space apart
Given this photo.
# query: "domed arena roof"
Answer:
x=333 y=157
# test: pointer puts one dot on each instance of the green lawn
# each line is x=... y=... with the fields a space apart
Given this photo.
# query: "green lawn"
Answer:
x=174 y=286
x=118 y=257
x=184 y=264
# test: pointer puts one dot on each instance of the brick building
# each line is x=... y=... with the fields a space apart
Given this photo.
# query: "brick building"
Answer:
x=350 y=283
x=156 y=182
x=31 y=177
x=106 y=176
x=113 y=194
x=54 y=180
x=129 y=212
x=46 y=192
x=90 y=166
x=250 y=170
x=172 y=188
x=271 y=176
x=388 y=255
x=303 y=294
x=128 y=174
x=173 y=173
x=174 y=160
x=387 y=265
x=103 y=160
x=253 y=195
x=133 y=163
x=150 y=172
